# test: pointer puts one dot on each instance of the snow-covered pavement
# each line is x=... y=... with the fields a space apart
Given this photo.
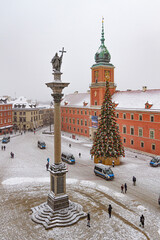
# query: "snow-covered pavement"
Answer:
x=25 y=184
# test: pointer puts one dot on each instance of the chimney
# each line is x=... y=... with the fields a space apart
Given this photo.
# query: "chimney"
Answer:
x=144 y=88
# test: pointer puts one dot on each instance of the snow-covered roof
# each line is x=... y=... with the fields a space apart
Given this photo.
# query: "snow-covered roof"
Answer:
x=22 y=102
x=124 y=100
x=136 y=99
x=76 y=99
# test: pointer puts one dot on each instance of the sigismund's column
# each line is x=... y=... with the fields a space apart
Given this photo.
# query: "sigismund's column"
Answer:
x=58 y=211
x=57 y=198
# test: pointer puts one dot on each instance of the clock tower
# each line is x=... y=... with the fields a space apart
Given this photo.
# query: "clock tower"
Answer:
x=102 y=71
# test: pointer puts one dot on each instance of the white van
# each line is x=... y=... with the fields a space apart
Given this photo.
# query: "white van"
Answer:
x=103 y=171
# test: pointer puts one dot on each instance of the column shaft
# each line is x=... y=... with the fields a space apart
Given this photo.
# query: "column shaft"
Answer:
x=57 y=133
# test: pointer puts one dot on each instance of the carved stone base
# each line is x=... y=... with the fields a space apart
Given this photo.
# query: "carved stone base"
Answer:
x=57 y=203
x=44 y=215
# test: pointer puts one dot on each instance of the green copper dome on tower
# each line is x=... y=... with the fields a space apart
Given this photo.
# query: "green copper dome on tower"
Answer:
x=102 y=55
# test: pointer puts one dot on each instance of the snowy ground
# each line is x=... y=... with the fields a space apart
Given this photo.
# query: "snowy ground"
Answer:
x=24 y=183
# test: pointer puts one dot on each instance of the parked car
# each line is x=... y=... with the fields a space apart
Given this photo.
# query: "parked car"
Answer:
x=41 y=145
x=103 y=171
x=6 y=140
x=68 y=157
x=155 y=161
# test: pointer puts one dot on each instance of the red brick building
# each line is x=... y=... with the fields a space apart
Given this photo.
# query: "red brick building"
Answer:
x=5 y=116
x=138 y=112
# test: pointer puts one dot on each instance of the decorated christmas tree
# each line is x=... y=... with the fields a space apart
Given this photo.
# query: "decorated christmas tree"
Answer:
x=107 y=142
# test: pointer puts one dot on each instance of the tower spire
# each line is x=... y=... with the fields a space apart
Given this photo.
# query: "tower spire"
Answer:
x=102 y=34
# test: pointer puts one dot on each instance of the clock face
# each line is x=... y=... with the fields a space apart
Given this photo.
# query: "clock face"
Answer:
x=107 y=75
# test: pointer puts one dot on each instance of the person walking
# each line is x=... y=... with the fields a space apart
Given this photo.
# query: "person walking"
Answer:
x=113 y=163
x=134 y=180
x=47 y=166
x=1 y=147
x=122 y=187
x=48 y=160
x=4 y=148
x=79 y=155
x=125 y=187
x=110 y=210
x=88 y=219
x=142 y=220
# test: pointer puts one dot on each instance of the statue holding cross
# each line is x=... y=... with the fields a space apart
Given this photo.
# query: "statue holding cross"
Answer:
x=57 y=61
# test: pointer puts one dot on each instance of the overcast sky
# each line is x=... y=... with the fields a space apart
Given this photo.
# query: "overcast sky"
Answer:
x=32 y=31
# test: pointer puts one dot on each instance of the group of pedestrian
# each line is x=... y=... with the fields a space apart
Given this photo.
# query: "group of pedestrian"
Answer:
x=3 y=148
x=124 y=188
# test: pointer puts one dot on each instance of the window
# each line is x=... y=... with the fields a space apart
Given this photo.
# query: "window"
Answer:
x=95 y=103
x=132 y=142
x=85 y=122
x=81 y=130
x=124 y=116
x=73 y=111
x=132 y=116
x=95 y=114
x=140 y=132
x=69 y=120
x=24 y=113
x=117 y=115
x=132 y=130
x=74 y=129
x=124 y=129
x=77 y=129
x=66 y=110
x=15 y=113
x=78 y=121
x=70 y=128
x=85 y=112
x=62 y=119
x=77 y=111
x=66 y=119
x=81 y=112
x=151 y=134
x=81 y=122
x=85 y=131
x=152 y=118
x=73 y=120
x=153 y=147
x=142 y=144
x=124 y=140
x=140 y=117
x=69 y=110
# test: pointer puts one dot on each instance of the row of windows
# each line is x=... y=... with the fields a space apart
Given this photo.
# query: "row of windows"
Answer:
x=5 y=108
x=5 y=114
x=75 y=111
x=79 y=121
x=140 y=117
x=153 y=146
x=140 y=132
x=74 y=129
x=5 y=121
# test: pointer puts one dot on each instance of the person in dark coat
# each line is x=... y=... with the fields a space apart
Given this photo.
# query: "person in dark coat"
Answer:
x=79 y=155
x=109 y=210
x=142 y=220
x=122 y=187
x=125 y=187
x=88 y=219
x=159 y=200
x=4 y=148
x=134 y=180
x=1 y=147
x=47 y=166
